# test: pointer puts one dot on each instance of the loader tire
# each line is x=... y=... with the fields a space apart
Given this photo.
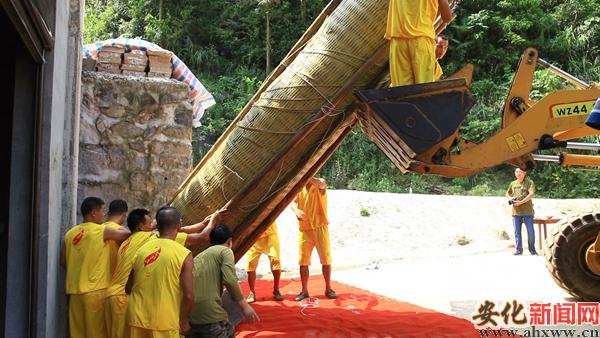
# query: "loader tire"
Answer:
x=564 y=253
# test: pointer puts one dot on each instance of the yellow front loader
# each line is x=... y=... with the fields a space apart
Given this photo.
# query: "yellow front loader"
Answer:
x=417 y=127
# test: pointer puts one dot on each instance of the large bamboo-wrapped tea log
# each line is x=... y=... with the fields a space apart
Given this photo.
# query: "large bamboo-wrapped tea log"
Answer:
x=293 y=124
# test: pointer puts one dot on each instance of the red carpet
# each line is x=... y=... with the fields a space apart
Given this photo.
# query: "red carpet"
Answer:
x=355 y=314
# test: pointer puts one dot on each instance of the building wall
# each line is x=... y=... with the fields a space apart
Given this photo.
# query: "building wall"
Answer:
x=57 y=160
x=44 y=50
x=135 y=139
x=56 y=200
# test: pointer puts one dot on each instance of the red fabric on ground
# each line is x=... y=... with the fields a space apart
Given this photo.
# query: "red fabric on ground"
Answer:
x=355 y=313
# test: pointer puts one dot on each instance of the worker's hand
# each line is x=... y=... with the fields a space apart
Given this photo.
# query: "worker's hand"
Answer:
x=219 y=215
x=184 y=327
x=319 y=182
x=207 y=219
x=299 y=214
x=250 y=314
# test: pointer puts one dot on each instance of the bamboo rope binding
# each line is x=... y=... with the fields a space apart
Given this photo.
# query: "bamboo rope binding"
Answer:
x=297 y=95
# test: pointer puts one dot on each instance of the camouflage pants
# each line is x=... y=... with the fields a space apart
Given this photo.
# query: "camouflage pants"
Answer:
x=222 y=329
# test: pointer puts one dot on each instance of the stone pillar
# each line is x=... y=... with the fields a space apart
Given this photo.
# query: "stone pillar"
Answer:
x=135 y=139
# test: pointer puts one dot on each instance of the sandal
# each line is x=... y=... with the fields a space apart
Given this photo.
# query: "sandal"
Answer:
x=330 y=294
x=301 y=296
x=251 y=298
x=278 y=296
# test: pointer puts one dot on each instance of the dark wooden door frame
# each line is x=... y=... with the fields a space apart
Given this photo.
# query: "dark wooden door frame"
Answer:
x=31 y=39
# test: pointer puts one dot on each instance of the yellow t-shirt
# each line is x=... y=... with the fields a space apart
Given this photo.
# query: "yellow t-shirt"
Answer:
x=271 y=230
x=155 y=299
x=409 y=19
x=314 y=205
x=113 y=247
x=88 y=259
x=125 y=257
x=180 y=238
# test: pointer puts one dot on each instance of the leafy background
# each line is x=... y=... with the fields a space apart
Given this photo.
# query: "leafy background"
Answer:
x=232 y=44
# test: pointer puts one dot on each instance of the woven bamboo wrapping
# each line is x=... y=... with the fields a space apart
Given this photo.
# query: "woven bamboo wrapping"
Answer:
x=294 y=123
x=343 y=43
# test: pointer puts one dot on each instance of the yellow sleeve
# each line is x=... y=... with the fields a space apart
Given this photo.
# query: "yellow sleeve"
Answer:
x=438 y=71
x=181 y=238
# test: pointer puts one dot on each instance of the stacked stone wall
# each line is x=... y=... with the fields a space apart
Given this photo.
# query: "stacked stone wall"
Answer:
x=135 y=138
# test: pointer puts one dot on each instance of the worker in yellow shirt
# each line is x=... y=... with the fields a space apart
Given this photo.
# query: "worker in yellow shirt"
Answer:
x=140 y=223
x=162 y=291
x=441 y=47
x=310 y=207
x=195 y=235
x=117 y=213
x=86 y=257
x=412 y=38
x=268 y=244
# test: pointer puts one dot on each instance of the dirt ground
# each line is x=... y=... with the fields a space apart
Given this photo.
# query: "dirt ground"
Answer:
x=446 y=253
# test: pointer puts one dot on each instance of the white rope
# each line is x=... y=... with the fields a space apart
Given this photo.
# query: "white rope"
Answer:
x=311 y=303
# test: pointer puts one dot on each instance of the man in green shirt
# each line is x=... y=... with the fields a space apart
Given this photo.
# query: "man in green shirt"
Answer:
x=520 y=193
x=213 y=269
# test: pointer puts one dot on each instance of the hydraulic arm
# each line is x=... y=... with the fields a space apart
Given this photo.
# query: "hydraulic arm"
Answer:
x=418 y=126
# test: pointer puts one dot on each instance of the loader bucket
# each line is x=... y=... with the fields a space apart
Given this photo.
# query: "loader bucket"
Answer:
x=410 y=120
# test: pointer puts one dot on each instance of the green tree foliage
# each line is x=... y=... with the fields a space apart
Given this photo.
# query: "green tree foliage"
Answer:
x=224 y=43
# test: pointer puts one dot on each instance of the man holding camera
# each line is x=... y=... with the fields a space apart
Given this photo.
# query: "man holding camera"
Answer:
x=520 y=194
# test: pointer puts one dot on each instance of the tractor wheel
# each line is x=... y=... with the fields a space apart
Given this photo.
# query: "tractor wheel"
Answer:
x=570 y=257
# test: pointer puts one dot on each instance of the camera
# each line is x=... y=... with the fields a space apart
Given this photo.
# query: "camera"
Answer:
x=513 y=200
